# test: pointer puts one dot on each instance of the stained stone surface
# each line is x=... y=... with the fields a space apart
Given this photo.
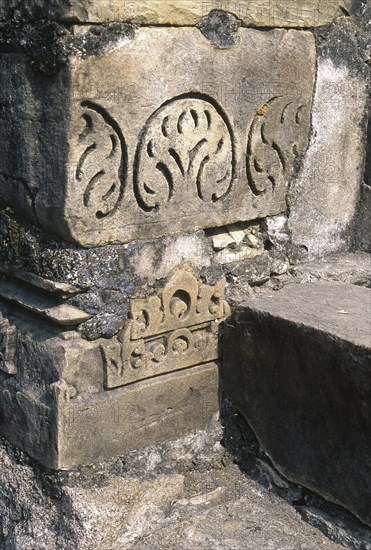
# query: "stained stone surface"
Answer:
x=208 y=141
x=297 y=365
x=260 y=13
x=362 y=237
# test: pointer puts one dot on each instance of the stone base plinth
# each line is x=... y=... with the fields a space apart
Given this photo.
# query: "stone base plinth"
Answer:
x=68 y=401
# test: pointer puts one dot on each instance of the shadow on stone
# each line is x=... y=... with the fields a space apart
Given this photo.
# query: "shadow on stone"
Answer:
x=243 y=447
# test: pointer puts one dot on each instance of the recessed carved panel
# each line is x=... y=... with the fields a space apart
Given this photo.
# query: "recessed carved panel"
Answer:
x=171 y=331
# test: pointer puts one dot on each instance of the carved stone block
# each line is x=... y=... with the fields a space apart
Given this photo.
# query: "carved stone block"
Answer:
x=70 y=401
x=156 y=132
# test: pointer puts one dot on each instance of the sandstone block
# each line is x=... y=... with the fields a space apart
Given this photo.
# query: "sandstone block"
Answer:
x=297 y=365
x=155 y=132
x=260 y=13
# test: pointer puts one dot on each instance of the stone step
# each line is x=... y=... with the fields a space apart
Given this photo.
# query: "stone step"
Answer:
x=298 y=367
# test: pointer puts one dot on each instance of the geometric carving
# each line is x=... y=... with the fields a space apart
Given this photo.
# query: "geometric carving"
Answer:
x=186 y=144
x=274 y=143
x=171 y=331
x=7 y=346
x=102 y=166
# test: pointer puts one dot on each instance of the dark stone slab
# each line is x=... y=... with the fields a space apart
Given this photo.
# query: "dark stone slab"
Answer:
x=298 y=366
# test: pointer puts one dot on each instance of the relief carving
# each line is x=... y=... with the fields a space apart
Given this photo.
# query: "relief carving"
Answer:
x=186 y=149
x=172 y=331
x=102 y=167
x=7 y=346
x=275 y=141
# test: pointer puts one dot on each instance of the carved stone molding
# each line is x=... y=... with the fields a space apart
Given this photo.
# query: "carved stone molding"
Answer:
x=176 y=329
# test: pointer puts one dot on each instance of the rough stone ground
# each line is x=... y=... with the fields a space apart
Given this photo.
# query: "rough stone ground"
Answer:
x=188 y=495
x=213 y=508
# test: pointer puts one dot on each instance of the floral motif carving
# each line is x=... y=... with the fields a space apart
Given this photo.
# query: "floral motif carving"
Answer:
x=186 y=149
x=275 y=141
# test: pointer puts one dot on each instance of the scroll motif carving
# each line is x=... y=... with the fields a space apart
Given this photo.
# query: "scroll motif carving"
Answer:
x=102 y=166
x=172 y=331
x=274 y=142
x=7 y=346
x=186 y=147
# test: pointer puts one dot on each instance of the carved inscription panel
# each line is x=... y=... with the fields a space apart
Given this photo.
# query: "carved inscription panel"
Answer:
x=176 y=329
x=169 y=134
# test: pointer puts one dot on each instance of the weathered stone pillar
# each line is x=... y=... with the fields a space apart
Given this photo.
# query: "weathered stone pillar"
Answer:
x=141 y=166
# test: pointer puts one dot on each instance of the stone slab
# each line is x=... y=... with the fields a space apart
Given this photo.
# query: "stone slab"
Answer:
x=258 y=13
x=63 y=289
x=297 y=365
x=41 y=303
x=149 y=412
x=143 y=145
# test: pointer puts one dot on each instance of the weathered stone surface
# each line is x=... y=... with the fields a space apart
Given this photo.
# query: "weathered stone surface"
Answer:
x=297 y=365
x=362 y=237
x=324 y=198
x=346 y=267
x=260 y=13
x=207 y=142
x=106 y=278
x=155 y=411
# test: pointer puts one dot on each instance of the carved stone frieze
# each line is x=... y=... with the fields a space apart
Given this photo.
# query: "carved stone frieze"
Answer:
x=162 y=133
x=167 y=332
